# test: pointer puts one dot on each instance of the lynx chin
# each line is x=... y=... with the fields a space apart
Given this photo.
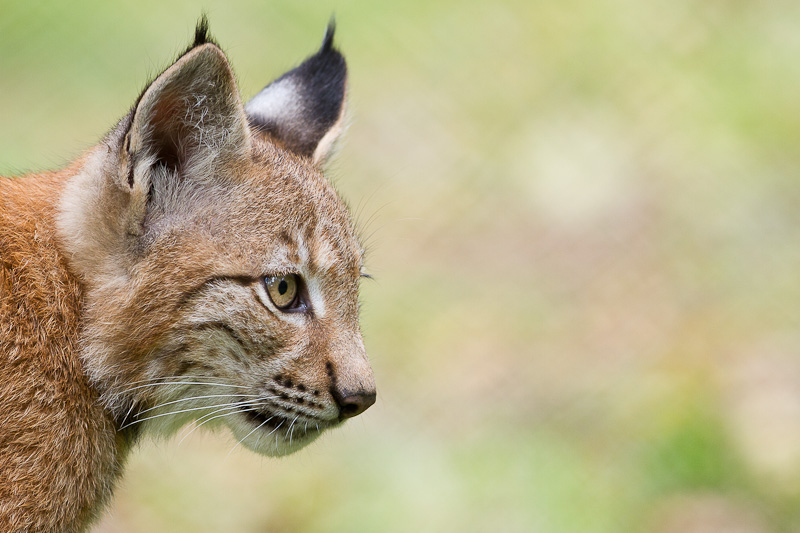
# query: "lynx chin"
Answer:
x=194 y=266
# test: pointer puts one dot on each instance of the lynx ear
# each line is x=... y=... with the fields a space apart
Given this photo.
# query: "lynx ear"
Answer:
x=304 y=108
x=189 y=115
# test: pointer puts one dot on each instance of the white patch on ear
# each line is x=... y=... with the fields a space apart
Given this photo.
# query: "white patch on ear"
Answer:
x=280 y=104
x=277 y=102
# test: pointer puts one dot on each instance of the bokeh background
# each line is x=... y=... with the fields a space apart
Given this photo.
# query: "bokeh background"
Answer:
x=583 y=220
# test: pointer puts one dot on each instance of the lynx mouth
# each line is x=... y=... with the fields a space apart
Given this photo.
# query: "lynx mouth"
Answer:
x=264 y=419
x=275 y=422
x=293 y=431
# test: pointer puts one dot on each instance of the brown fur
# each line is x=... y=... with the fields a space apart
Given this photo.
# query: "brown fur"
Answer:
x=132 y=286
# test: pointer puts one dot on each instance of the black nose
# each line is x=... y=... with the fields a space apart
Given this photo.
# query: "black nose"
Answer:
x=353 y=404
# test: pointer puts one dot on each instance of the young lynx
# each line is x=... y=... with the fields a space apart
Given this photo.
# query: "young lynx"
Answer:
x=193 y=266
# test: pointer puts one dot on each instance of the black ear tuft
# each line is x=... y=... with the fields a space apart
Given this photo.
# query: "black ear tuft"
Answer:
x=303 y=106
x=202 y=34
x=327 y=41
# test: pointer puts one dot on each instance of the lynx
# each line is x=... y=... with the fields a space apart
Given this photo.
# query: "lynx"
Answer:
x=194 y=266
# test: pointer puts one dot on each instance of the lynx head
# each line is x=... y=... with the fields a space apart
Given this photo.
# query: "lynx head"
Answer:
x=221 y=269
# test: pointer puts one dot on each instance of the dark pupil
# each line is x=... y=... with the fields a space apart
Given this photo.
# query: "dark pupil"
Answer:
x=283 y=287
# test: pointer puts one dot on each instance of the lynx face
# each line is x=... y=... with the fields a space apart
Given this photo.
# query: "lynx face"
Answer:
x=222 y=269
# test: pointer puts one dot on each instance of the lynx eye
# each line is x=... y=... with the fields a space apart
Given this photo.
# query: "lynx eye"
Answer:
x=283 y=290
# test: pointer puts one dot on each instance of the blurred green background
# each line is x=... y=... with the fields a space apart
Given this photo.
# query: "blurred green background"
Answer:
x=583 y=221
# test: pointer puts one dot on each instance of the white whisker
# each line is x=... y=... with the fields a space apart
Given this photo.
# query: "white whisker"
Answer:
x=259 y=437
x=133 y=404
x=234 y=404
x=161 y=378
x=183 y=383
x=196 y=398
x=291 y=428
x=196 y=427
x=276 y=429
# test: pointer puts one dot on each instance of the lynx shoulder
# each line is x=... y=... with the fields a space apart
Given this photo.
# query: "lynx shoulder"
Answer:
x=194 y=266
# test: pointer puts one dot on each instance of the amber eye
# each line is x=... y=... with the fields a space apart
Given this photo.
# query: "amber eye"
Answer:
x=282 y=290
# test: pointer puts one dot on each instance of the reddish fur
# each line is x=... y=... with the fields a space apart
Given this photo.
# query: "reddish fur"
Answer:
x=58 y=447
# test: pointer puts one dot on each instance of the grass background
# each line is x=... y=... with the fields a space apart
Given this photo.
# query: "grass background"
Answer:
x=583 y=220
